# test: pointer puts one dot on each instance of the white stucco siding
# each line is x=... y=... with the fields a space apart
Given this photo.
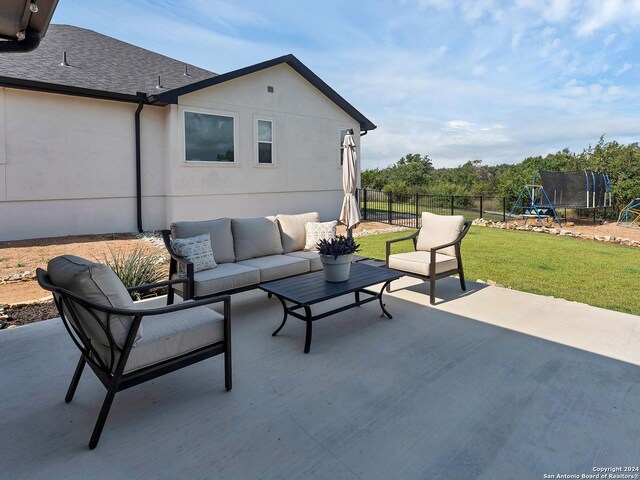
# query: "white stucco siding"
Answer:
x=307 y=135
x=70 y=165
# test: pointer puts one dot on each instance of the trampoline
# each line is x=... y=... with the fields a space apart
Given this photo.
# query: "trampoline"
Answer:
x=551 y=190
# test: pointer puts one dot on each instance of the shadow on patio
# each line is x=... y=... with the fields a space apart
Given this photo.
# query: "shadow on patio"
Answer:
x=493 y=384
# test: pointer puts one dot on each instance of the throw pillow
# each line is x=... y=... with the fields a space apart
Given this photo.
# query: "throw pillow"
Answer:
x=197 y=250
x=317 y=231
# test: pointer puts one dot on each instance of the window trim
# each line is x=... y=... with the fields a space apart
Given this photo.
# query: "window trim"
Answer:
x=256 y=142
x=340 y=140
x=183 y=132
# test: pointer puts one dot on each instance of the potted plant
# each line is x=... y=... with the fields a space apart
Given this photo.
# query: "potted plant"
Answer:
x=336 y=256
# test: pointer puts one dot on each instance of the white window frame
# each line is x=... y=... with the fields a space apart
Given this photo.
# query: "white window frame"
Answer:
x=207 y=111
x=256 y=142
x=340 y=130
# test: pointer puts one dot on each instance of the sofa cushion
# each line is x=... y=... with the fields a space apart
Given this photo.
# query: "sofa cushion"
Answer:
x=255 y=237
x=195 y=249
x=418 y=262
x=273 y=267
x=314 y=259
x=292 y=230
x=439 y=230
x=226 y=276
x=173 y=334
x=219 y=232
x=96 y=283
x=316 y=231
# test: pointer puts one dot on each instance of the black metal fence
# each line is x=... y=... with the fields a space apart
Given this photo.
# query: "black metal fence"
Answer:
x=406 y=209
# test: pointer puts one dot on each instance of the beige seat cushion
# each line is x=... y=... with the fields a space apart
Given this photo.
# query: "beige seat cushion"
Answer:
x=439 y=230
x=418 y=262
x=255 y=237
x=226 y=276
x=173 y=334
x=292 y=230
x=273 y=267
x=314 y=259
x=96 y=283
x=219 y=232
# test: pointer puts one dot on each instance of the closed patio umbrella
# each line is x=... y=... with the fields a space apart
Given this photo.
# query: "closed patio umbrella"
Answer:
x=350 y=214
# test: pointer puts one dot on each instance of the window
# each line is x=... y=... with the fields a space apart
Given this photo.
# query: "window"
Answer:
x=208 y=138
x=343 y=133
x=265 y=142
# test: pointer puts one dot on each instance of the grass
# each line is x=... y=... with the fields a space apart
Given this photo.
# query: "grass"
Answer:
x=598 y=274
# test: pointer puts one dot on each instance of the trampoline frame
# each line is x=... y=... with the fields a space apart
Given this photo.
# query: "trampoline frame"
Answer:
x=630 y=215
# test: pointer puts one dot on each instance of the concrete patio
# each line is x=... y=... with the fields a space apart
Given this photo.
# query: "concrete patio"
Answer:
x=492 y=384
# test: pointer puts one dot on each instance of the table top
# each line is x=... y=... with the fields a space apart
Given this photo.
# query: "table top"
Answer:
x=312 y=288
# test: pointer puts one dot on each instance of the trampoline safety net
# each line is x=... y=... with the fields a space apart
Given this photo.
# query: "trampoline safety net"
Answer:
x=582 y=189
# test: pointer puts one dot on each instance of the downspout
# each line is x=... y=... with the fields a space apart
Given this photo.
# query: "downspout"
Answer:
x=138 y=168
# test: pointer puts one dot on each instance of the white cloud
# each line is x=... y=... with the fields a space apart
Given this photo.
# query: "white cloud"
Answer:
x=625 y=68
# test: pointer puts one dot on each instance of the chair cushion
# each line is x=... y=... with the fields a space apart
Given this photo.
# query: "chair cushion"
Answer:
x=255 y=237
x=316 y=231
x=172 y=334
x=314 y=259
x=292 y=230
x=418 y=262
x=226 y=276
x=273 y=267
x=439 y=230
x=96 y=283
x=219 y=232
x=195 y=249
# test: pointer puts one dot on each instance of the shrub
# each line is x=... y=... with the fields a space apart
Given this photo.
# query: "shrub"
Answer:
x=337 y=246
x=135 y=268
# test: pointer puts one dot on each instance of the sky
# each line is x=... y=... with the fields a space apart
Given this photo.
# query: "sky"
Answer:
x=457 y=80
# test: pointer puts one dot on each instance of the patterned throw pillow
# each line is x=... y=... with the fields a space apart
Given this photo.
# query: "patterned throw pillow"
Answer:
x=317 y=231
x=197 y=250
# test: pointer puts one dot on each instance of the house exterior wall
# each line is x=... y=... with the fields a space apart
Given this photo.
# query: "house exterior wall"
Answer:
x=306 y=175
x=67 y=164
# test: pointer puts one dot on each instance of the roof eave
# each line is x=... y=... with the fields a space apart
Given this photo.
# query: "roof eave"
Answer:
x=22 y=84
x=172 y=96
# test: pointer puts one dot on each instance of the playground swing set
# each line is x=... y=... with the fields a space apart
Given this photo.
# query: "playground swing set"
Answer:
x=581 y=189
x=630 y=215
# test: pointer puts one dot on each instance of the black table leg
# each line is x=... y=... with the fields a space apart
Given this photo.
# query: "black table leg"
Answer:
x=358 y=297
x=384 y=310
x=284 y=318
x=309 y=320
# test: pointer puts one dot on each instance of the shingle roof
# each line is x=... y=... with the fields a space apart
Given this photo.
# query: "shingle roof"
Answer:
x=103 y=67
x=98 y=62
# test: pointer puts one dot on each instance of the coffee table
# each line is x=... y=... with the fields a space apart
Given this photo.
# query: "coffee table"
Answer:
x=304 y=291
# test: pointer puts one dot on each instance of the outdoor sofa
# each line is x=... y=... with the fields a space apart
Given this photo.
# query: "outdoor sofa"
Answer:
x=246 y=253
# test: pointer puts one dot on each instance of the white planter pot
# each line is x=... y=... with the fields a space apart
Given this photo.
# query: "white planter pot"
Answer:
x=336 y=269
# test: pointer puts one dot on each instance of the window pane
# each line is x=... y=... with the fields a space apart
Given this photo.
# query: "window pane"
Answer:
x=208 y=138
x=342 y=135
x=264 y=153
x=264 y=131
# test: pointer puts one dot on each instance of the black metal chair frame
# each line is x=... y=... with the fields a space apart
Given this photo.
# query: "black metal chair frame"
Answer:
x=432 y=277
x=111 y=373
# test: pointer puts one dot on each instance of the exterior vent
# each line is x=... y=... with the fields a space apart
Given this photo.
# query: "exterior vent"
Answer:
x=159 y=85
x=64 y=60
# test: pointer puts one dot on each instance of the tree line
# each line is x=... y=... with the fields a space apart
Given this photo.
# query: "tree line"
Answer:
x=415 y=173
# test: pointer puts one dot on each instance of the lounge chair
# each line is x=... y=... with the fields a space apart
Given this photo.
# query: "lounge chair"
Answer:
x=436 y=250
x=121 y=348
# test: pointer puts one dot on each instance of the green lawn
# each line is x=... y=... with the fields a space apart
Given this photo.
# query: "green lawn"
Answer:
x=599 y=274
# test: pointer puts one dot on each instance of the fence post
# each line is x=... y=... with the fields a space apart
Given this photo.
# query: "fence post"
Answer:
x=389 y=206
x=364 y=199
x=452 y=199
x=504 y=209
x=480 y=206
x=417 y=209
